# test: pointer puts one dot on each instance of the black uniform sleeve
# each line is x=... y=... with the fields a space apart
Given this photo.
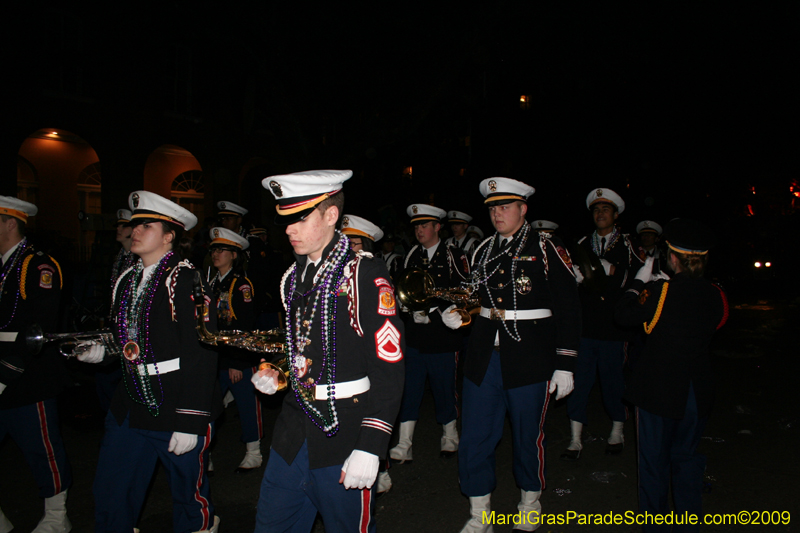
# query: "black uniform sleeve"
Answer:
x=566 y=304
x=383 y=334
x=639 y=303
x=198 y=363
x=243 y=304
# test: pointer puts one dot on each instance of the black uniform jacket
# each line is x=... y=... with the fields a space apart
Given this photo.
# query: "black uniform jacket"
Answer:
x=30 y=378
x=191 y=395
x=448 y=267
x=676 y=354
x=598 y=303
x=365 y=420
x=234 y=299
x=542 y=278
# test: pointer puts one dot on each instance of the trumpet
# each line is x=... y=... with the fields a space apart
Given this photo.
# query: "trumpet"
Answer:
x=35 y=339
x=416 y=289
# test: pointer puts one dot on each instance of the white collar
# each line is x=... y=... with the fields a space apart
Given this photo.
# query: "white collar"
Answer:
x=432 y=250
x=8 y=254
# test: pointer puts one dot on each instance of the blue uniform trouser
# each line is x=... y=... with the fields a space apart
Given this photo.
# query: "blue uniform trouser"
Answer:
x=668 y=453
x=34 y=428
x=440 y=368
x=292 y=495
x=128 y=459
x=484 y=414
x=606 y=359
x=247 y=401
x=106 y=381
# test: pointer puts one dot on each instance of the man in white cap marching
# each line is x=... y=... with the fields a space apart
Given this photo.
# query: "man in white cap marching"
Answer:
x=649 y=233
x=612 y=263
x=30 y=289
x=459 y=223
x=434 y=339
x=229 y=216
x=544 y=226
x=520 y=356
x=345 y=353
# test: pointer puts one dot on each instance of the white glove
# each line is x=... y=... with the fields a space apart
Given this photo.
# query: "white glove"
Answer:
x=180 y=443
x=578 y=274
x=360 y=470
x=450 y=318
x=606 y=266
x=660 y=275
x=264 y=383
x=645 y=273
x=563 y=381
x=2 y=387
x=90 y=352
x=420 y=317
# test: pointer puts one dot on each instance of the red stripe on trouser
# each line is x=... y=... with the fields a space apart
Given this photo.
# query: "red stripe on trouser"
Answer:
x=48 y=446
x=540 y=439
x=197 y=496
x=258 y=411
x=366 y=499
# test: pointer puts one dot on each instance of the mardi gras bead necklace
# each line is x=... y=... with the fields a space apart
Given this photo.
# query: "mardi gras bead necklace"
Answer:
x=133 y=326
x=611 y=240
x=12 y=263
x=322 y=295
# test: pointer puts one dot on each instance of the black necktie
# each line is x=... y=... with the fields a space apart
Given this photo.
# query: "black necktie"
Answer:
x=602 y=246
x=308 y=279
x=425 y=258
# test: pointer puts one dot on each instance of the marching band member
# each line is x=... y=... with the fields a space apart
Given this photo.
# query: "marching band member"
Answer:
x=544 y=226
x=672 y=384
x=433 y=337
x=232 y=297
x=229 y=216
x=459 y=223
x=30 y=289
x=345 y=352
x=603 y=342
x=165 y=410
x=361 y=233
x=522 y=349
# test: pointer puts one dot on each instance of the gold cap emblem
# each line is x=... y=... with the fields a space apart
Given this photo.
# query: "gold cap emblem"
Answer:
x=216 y=234
x=345 y=222
x=414 y=209
x=541 y=224
x=276 y=188
x=135 y=199
x=222 y=205
x=599 y=193
x=493 y=186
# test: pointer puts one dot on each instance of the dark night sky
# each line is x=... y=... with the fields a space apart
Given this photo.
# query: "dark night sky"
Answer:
x=657 y=100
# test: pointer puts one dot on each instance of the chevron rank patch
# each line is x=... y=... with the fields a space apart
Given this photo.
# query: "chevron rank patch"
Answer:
x=387 y=343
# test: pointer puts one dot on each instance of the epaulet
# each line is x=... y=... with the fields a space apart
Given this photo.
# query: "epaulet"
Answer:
x=283 y=284
x=350 y=279
x=172 y=280
x=561 y=251
x=408 y=255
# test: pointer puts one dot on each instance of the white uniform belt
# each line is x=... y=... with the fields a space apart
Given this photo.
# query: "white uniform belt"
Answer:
x=8 y=336
x=508 y=314
x=347 y=389
x=164 y=367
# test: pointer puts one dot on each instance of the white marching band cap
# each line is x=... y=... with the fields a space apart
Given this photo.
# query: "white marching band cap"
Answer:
x=606 y=196
x=299 y=193
x=225 y=238
x=148 y=205
x=230 y=208
x=14 y=207
x=500 y=191
x=124 y=216
x=353 y=225
x=544 y=225
x=476 y=230
x=458 y=216
x=423 y=212
x=648 y=225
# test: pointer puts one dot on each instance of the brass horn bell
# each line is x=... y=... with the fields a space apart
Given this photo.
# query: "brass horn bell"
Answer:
x=416 y=289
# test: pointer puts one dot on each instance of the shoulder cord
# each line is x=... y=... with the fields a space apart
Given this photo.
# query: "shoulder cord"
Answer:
x=649 y=327
x=230 y=297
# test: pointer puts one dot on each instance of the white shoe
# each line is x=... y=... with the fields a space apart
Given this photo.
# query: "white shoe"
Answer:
x=478 y=506
x=252 y=459
x=384 y=483
x=402 y=452
x=616 y=441
x=214 y=528
x=55 y=515
x=530 y=511
x=5 y=523
x=227 y=400
x=449 y=439
x=573 y=451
